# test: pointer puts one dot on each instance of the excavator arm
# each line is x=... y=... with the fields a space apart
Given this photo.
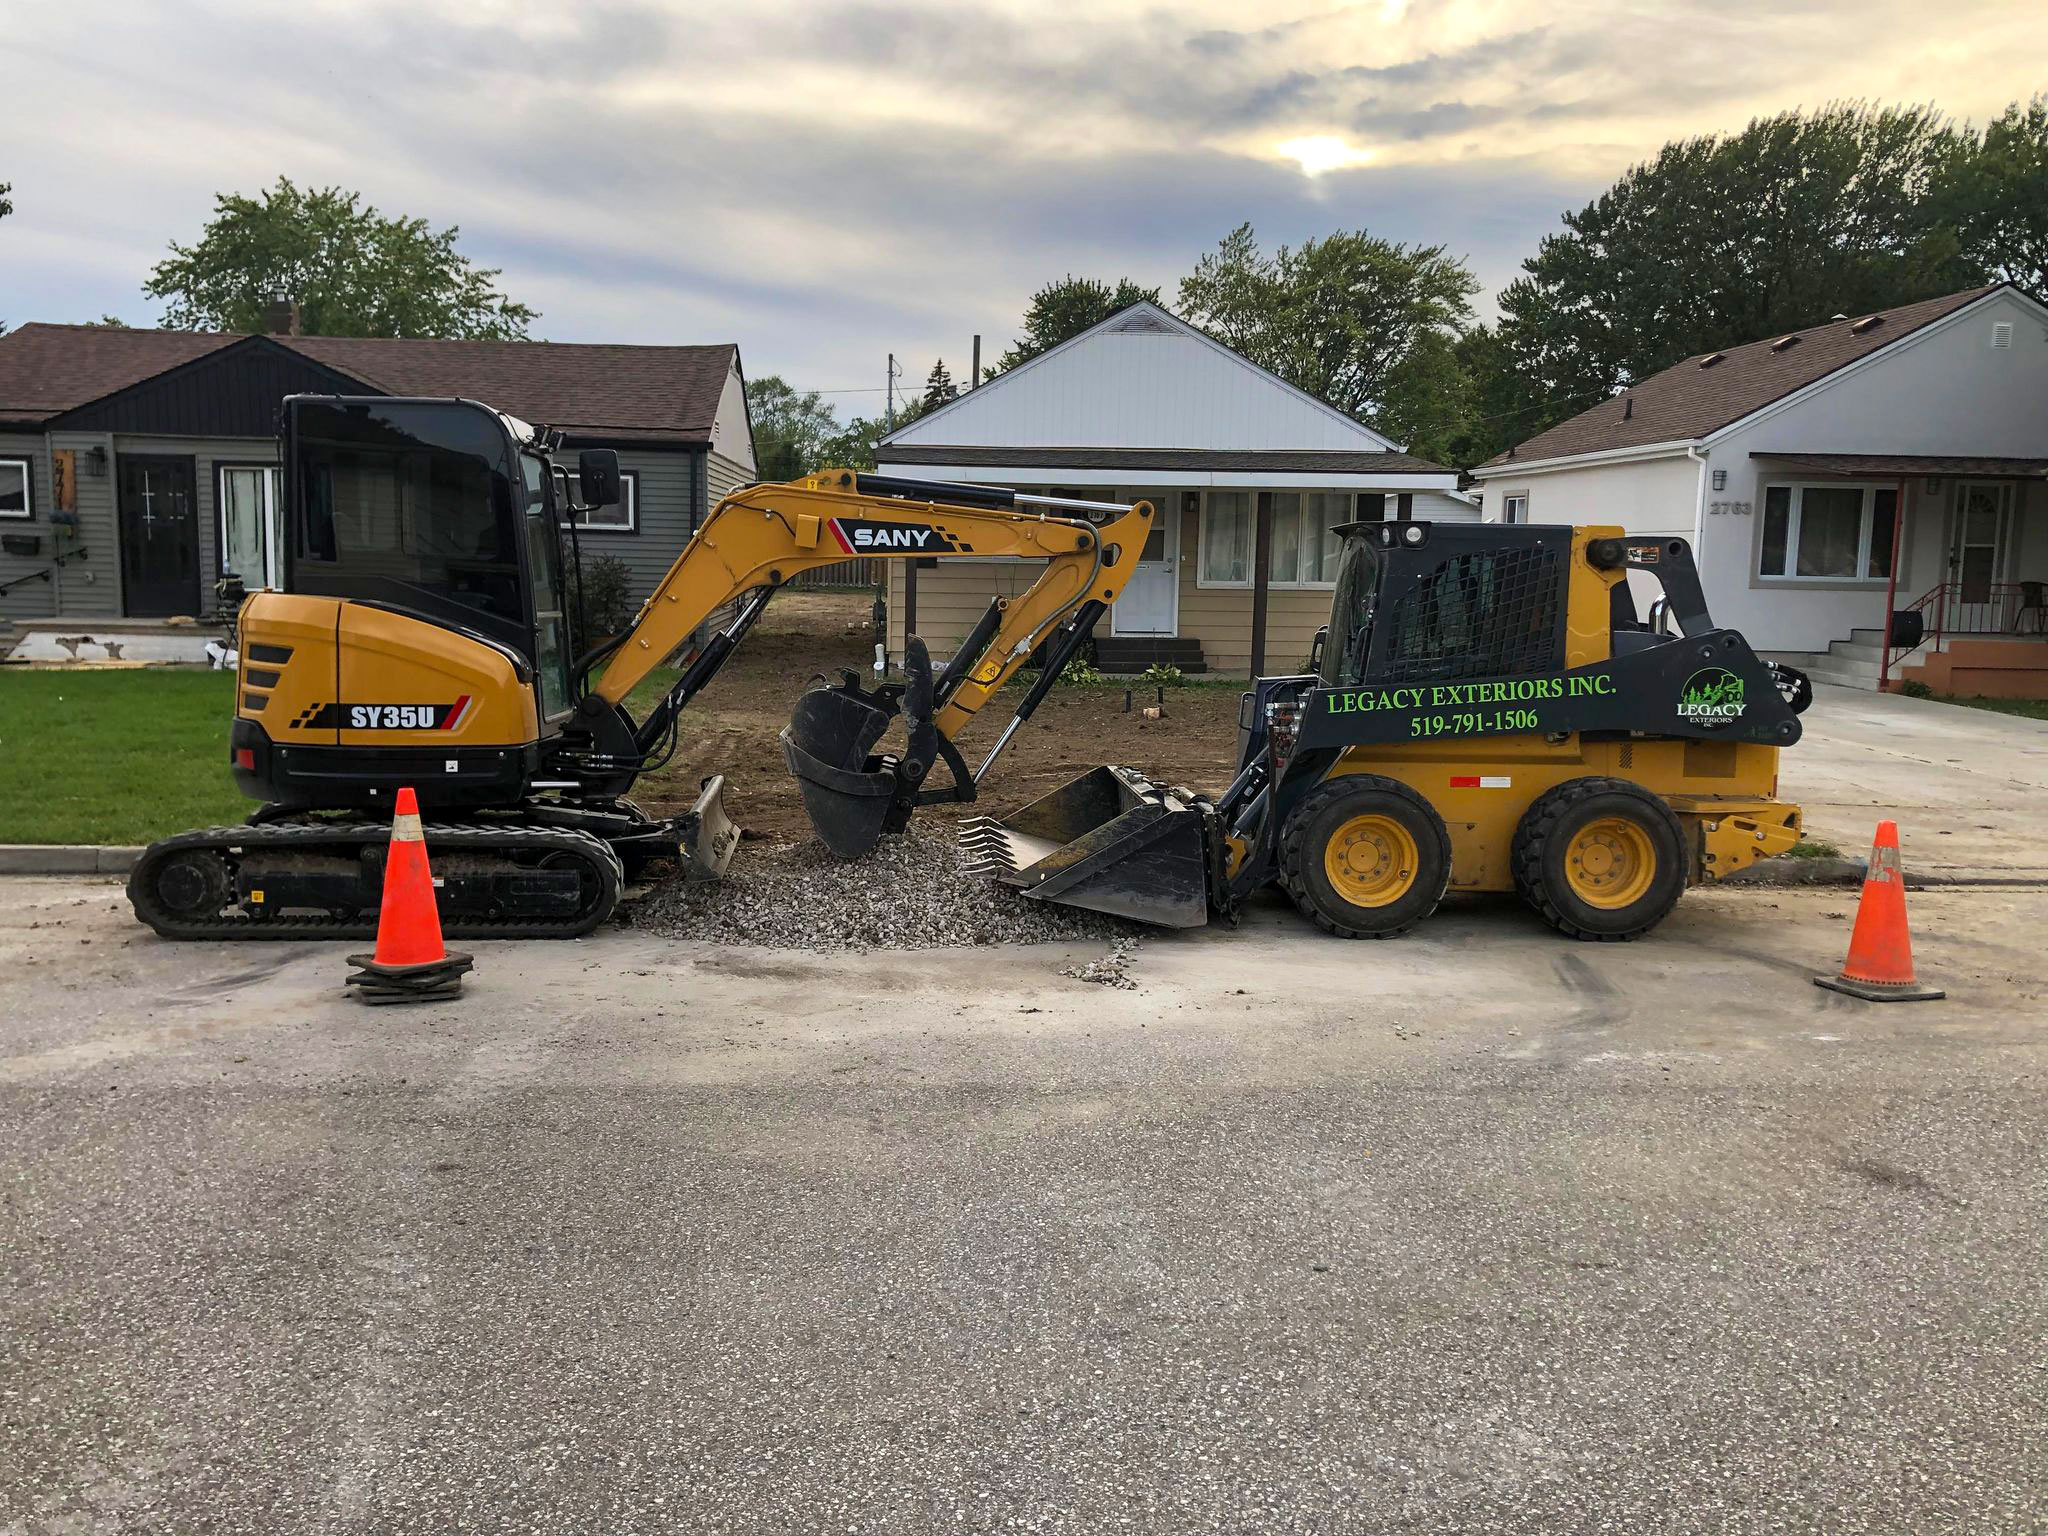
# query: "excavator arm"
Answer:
x=759 y=538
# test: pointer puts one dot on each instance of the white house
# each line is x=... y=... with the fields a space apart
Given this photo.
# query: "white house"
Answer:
x=1144 y=405
x=1799 y=464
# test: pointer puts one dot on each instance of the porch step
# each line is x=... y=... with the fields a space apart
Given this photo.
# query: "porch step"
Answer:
x=1134 y=653
x=1998 y=667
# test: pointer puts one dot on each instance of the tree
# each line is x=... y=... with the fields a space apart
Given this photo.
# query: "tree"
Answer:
x=350 y=270
x=1063 y=310
x=938 y=388
x=1721 y=240
x=790 y=429
x=1361 y=322
x=1993 y=192
x=854 y=448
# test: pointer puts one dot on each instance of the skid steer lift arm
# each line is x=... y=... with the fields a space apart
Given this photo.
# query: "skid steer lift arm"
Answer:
x=757 y=539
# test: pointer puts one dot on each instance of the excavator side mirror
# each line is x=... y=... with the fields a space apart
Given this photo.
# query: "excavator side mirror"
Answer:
x=1315 y=649
x=597 y=475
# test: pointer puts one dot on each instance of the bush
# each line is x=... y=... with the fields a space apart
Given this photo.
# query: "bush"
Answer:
x=1163 y=674
x=601 y=605
x=1915 y=689
x=1079 y=673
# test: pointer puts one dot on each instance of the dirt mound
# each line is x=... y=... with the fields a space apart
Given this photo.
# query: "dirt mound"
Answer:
x=907 y=894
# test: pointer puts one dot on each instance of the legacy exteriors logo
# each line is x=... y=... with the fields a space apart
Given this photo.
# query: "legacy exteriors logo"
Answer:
x=1712 y=698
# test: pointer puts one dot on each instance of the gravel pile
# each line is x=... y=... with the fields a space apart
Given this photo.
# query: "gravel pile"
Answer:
x=1112 y=970
x=907 y=894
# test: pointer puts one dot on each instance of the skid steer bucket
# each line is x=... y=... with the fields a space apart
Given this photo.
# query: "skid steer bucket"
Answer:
x=847 y=791
x=1111 y=841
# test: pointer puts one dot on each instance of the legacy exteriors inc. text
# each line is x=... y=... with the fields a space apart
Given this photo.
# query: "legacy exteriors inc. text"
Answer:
x=1442 y=695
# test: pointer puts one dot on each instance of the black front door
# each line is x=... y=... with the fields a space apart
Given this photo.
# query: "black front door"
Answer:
x=159 y=535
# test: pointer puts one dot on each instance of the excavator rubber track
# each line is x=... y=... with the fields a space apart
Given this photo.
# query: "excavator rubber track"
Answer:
x=200 y=884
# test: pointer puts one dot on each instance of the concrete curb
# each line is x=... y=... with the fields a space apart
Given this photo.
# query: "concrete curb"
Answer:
x=65 y=859
x=1796 y=872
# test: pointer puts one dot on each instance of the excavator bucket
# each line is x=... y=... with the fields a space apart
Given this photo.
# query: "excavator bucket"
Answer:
x=847 y=791
x=1111 y=841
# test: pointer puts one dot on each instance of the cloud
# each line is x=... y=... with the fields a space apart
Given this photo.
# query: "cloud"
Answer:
x=826 y=181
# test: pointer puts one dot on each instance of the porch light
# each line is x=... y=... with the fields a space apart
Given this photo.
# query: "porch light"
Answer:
x=1720 y=479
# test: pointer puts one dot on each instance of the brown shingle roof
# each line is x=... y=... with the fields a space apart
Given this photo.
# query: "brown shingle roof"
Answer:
x=655 y=394
x=45 y=369
x=1687 y=400
x=661 y=394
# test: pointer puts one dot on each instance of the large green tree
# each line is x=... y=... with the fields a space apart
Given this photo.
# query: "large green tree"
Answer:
x=1364 y=323
x=1725 y=239
x=351 y=270
x=1993 y=193
x=1064 y=309
x=790 y=428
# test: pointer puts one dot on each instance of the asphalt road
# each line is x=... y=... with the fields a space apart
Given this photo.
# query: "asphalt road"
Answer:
x=1478 y=1231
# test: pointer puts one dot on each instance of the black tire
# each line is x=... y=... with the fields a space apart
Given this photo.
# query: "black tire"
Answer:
x=1318 y=818
x=1542 y=858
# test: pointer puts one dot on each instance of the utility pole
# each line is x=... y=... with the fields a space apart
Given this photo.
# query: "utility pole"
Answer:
x=974 y=375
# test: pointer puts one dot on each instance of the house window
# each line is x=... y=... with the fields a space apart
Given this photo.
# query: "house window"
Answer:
x=1515 y=508
x=1304 y=550
x=246 y=495
x=1226 y=539
x=622 y=517
x=1830 y=532
x=17 y=494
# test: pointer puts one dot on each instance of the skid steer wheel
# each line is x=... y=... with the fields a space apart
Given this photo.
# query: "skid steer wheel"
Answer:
x=1601 y=859
x=1365 y=857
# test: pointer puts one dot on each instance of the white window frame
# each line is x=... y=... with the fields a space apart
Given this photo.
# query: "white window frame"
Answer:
x=1799 y=488
x=629 y=498
x=272 y=575
x=1274 y=583
x=28 y=488
x=1509 y=503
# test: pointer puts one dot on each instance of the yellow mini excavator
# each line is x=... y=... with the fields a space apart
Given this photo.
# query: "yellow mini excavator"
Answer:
x=1486 y=713
x=422 y=640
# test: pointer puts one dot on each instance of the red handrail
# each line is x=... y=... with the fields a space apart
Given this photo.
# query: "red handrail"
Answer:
x=1967 y=608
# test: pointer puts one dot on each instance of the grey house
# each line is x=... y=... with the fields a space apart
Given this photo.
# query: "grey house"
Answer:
x=138 y=466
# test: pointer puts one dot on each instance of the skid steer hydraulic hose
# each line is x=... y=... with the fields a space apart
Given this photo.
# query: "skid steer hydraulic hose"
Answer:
x=1056 y=663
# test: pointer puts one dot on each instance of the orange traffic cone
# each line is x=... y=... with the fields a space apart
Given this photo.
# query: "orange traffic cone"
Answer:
x=411 y=963
x=1880 y=964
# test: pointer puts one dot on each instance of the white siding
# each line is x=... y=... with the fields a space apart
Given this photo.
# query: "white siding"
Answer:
x=1161 y=387
x=731 y=437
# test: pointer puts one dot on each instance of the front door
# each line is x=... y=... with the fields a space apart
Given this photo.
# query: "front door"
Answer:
x=159 y=536
x=1150 y=603
x=1976 y=559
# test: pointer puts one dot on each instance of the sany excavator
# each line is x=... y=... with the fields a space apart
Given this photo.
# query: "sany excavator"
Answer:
x=422 y=640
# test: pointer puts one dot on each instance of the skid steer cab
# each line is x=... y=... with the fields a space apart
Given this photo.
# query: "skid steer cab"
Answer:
x=1488 y=713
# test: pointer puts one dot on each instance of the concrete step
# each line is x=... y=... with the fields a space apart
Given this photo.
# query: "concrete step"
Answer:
x=1870 y=651
x=1856 y=677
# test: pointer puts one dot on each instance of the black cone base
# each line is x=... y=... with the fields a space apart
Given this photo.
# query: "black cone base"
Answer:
x=436 y=981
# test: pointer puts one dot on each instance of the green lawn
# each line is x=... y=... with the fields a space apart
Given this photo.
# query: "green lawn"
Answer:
x=114 y=757
x=2033 y=709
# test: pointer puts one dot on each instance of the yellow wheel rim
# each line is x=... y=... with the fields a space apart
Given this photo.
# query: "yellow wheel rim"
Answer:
x=1611 y=862
x=1370 y=860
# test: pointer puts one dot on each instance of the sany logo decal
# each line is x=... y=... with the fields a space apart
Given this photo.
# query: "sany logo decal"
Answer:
x=861 y=536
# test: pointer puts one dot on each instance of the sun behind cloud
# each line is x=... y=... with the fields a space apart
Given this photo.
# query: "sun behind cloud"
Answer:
x=1320 y=152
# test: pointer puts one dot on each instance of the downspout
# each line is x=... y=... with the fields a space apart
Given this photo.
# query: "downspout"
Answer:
x=1699 y=499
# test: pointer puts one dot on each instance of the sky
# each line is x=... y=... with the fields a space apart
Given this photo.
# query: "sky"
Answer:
x=826 y=183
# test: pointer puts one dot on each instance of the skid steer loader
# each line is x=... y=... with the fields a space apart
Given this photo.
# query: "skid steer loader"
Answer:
x=1486 y=713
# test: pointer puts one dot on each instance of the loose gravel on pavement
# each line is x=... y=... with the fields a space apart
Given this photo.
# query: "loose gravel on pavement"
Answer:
x=908 y=894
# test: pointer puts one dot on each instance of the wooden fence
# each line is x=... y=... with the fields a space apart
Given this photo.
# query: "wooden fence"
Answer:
x=846 y=573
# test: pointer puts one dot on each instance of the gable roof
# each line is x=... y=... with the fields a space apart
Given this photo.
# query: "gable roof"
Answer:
x=1711 y=390
x=1141 y=318
x=653 y=394
x=1139 y=460
x=46 y=370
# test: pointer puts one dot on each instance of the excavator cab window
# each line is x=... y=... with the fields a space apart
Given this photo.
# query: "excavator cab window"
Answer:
x=417 y=505
x=544 y=565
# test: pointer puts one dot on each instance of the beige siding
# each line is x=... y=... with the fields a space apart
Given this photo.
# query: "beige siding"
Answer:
x=952 y=595
x=1221 y=617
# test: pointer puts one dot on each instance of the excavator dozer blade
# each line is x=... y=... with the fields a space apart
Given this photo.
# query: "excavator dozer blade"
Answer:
x=1111 y=841
x=708 y=835
x=847 y=793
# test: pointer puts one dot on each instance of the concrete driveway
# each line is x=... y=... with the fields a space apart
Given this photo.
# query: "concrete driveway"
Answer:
x=1968 y=787
x=1476 y=1231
